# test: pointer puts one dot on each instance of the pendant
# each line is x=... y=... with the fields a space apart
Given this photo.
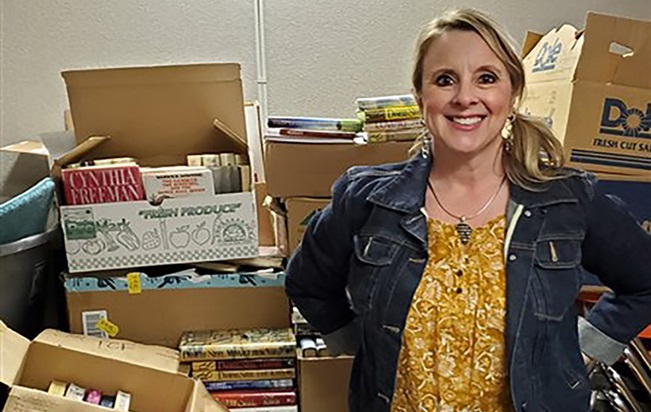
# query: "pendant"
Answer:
x=463 y=231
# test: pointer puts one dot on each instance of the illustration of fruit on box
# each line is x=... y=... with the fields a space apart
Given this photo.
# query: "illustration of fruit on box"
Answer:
x=137 y=234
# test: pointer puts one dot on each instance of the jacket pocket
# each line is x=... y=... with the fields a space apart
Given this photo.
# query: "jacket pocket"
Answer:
x=372 y=255
x=557 y=266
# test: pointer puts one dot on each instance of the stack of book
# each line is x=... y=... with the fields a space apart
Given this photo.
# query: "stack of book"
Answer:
x=313 y=127
x=310 y=342
x=248 y=370
x=390 y=118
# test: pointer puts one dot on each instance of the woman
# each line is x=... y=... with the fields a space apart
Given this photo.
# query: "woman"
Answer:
x=452 y=276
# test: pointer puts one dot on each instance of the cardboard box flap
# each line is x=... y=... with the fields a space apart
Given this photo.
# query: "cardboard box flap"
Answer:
x=155 y=357
x=202 y=401
x=158 y=115
x=13 y=348
x=531 y=38
x=137 y=76
x=616 y=50
x=611 y=50
x=81 y=150
x=554 y=57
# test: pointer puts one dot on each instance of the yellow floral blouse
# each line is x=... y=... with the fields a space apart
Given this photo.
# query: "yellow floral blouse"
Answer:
x=453 y=357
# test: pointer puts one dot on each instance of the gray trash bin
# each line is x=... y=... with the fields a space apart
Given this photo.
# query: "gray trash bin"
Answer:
x=29 y=268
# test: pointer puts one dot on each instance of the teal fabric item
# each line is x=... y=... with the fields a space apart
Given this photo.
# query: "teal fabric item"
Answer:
x=26 y=214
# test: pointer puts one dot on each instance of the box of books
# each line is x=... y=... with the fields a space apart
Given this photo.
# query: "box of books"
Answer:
x=160 y=171
x=158 y=309
x=113 y=374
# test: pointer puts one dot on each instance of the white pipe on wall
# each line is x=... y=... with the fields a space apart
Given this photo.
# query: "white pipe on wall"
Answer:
x=261 y=60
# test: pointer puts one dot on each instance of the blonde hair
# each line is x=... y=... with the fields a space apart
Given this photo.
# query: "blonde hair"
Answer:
x=536 y=155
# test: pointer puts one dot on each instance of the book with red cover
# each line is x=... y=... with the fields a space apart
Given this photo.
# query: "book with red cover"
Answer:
x=252 y=398
x=102 y=184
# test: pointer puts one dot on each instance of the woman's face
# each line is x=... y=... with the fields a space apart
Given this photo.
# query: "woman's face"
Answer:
x=466 y=94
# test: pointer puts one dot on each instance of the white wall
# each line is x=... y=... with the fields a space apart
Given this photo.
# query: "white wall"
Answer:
x=321 y=55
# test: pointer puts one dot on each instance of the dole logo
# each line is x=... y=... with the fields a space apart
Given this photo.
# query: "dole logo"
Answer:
x=620 y=120
x=547 y=56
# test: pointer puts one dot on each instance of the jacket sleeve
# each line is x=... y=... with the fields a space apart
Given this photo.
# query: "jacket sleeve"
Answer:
x=317 y=272
x=617 y=250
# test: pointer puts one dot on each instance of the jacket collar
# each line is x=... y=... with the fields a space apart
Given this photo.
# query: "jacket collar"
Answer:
x=406 y=191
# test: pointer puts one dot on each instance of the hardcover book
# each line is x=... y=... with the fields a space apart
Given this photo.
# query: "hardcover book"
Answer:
x=243 y=364
x=102 y=184
x=249 y=385
x=244 y=375
x=252 y=398
x=237 y=344
x=391 y=113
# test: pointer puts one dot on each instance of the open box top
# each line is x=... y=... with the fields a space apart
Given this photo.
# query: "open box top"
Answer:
x=610 y=49
x=150 y=373
x=158 y=115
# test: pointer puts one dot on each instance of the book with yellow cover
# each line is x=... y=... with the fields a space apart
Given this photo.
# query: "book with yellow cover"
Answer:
x=237 y=344
x=245 y=375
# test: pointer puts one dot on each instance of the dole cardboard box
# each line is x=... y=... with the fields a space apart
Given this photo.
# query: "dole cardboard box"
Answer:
x=299 y=212
x=157 y=115
x=149 y=374
x=158 y=309
x=323 y=383
x=593 y=88
x=300 y=167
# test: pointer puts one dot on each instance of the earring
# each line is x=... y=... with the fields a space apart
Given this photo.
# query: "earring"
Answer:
x=507 y=133
x=426 y=144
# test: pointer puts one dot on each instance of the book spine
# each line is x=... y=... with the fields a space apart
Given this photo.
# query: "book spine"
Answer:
x=365 y=103
x=245 y=385
x=213 y=352
x=244 y=364
x=393 y=125
x=102 y=185
x=380 y=137
x=293 y=408
x=316 y=133
x=320 y=123
x=248 y=399
x=391 y=113
x=244 y=375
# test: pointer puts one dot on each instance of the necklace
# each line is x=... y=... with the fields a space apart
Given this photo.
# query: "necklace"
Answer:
x=464 y=230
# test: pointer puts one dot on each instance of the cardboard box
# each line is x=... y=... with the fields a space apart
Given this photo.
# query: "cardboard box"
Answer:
x=593 y=88
x=22 y=165
x=158 y=115
x=169 y=305
x=299 y=212
x=323 y=383
x=309 y=168
x=150 y=374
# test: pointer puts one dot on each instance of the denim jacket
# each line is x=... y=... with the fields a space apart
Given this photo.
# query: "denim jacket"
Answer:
x=362 y=257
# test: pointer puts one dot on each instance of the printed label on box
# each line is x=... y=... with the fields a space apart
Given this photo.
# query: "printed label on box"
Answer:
x=138 y=234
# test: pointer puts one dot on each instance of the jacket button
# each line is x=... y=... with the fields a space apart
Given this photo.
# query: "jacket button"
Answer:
x=527 y=213
x=512 y=257
x=524 y=407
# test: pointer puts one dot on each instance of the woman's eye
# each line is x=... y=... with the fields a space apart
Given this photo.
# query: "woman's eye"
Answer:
x=487 y=78
x=444 y=80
